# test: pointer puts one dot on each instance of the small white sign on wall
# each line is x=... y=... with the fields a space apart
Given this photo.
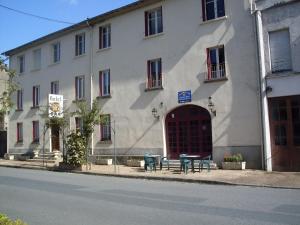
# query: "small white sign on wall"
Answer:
x=56 y=106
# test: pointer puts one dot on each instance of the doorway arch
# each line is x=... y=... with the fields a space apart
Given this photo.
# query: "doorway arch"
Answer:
x=188 y=130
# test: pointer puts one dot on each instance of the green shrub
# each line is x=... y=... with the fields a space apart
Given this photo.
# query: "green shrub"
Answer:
x=4 y=220
x=234 y=158
x=75 y=149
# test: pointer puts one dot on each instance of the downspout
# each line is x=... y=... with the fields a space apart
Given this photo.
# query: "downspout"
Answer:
x=266 y=145
x=91 y=77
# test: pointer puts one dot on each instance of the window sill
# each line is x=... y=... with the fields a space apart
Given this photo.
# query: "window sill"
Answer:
x=214 y=20
x=19 y=142
x=283 y=74
x=103 y=49
x=34 y=107
x=79 y=56
x=154 y=89
x=153 y=35
x=107 y=142
x=79 y=100
x=216 y=80
x=54 y=63
x=103 y=97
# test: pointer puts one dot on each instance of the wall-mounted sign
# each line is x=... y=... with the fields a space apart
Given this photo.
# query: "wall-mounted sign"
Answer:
x=56 y=106
x=184 y=96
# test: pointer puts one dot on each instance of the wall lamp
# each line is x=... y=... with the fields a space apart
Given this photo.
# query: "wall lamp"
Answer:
x=211 y=106
x=155 y=113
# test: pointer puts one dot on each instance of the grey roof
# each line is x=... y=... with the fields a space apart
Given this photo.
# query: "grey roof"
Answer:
x=86 y=23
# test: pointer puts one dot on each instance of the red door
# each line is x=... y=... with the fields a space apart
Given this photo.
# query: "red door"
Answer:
x=188 y=130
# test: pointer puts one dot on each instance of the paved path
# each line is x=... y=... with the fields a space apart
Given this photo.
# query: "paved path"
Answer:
x=247 y=177
x=47 y=198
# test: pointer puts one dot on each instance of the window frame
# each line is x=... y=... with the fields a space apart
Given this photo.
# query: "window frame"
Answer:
x=20 y=99
x=79 y=44
x=54 y=87
x=56 y=52
x=19 y=132
x=36 y=96
x=216 y=10
x=105 y=36
x=78 y=124
x=21 y=63
x=80 y=87
x=220 y=72
x=157 y=25
x=157 y=83
x=104 y=83
x=35 y=131
x=37 y=59
x=105 y=129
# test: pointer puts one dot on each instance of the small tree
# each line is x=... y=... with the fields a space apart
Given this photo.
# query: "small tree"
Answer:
x=90 y=117
x=76 y=149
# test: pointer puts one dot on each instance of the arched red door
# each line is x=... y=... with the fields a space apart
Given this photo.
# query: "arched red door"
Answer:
x=188 y=130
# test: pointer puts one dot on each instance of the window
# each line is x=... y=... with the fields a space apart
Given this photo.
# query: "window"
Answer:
x=79 y=44
x=215 y=63
x=296 y=120
x=55 y=87
x=37 y=59
x=154 y=74
x=280 y=51
x=104 y=37
x=105 y=127
x=35 y=131
x=104 y=83
x=153 y=22
x=19 y=132
x=21 y=61
x=79 y=87
x=56 y=52
x=78 y=124
x=36 y=96
x=20 y=99
x=212 y=9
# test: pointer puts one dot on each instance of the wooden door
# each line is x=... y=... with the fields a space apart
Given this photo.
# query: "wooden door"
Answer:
x=55 y=138
x=188 y=130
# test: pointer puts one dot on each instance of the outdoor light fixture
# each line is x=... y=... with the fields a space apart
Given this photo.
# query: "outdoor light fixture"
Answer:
x=211 y=106
x=155 y=113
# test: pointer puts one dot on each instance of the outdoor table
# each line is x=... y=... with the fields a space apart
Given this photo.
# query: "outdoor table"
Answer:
x=193 y=158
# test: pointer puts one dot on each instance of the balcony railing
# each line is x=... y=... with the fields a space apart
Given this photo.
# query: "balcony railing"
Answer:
x=216 y=71
x=153 y=84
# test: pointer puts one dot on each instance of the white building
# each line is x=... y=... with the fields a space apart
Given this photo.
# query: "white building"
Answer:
x=136 y=61
x=278 y=34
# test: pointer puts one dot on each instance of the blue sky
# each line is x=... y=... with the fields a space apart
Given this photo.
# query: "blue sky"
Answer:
x=17 y=29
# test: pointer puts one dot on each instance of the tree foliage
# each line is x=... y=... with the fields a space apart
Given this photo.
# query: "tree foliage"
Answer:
x=76 y=149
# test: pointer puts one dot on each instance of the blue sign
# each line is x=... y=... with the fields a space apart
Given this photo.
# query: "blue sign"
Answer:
x=184 y=96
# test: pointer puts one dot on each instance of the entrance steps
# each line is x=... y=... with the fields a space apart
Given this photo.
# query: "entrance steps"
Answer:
x=47 y=157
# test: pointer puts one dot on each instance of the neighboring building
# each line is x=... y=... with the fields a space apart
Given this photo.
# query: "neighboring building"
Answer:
x=3 y=117
x=136 y=60
x=279 y=46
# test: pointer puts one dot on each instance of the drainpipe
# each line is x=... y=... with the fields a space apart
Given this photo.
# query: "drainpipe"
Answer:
x=267 y=157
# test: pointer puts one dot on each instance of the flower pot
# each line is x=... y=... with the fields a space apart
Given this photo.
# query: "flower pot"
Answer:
x=234 y=165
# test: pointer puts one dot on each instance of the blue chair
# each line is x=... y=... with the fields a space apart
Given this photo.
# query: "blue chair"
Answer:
x=164 y=161
x=184 y=163
x=205 y=161
x=149 y=162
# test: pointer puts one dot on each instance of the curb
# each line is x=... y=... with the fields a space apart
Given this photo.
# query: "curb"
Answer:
x=170 y=179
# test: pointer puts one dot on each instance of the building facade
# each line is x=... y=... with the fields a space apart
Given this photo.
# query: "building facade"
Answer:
x=172 y=76
x=279 y=46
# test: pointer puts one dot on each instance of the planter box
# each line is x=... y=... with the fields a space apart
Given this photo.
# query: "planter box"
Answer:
x=66 y=167
x=135 y=163
x=103 y=162
x=233 y=165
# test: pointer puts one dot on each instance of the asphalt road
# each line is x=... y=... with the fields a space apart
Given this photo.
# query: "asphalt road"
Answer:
x=49 y=198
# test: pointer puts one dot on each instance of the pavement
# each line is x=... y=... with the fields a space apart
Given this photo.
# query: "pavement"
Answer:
x=256 y=178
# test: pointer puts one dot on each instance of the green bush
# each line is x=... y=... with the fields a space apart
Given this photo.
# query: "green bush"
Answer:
x=234 y=158
x=75 y=149
x=4 y=220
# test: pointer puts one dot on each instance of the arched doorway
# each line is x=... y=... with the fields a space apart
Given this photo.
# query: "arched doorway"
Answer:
x=188 y=130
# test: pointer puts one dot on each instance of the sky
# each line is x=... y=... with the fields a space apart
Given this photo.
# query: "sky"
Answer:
x=17 y=29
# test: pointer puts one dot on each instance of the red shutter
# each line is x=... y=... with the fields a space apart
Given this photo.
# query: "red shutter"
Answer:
x=208 y=64
x=203 y=10
x=100 y=83
x=146 y=24
x=148 y=74
x=100 y=37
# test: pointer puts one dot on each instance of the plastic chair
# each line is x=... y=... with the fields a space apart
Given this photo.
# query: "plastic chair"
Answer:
x=184 y=163
x=164 y=161
x=149 y=162
x=205 y=161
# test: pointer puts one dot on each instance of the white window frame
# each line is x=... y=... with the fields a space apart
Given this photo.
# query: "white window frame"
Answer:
x=36 y=97
x=157 y=83
x=37 y=59
x=21 y=63
x=105 y=127
x=215 y=3
x=106 y=36
x=156 y=23
x=220 y=70
x=20 y=99
x=80 y=44
x=56 y=52
x=105 y=82
x=80 y=87
x=54 y=87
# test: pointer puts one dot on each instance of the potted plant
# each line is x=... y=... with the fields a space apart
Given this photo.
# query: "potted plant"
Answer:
x=234 y=162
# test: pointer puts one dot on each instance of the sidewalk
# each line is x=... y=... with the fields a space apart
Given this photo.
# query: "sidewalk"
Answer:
x=227 y=177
